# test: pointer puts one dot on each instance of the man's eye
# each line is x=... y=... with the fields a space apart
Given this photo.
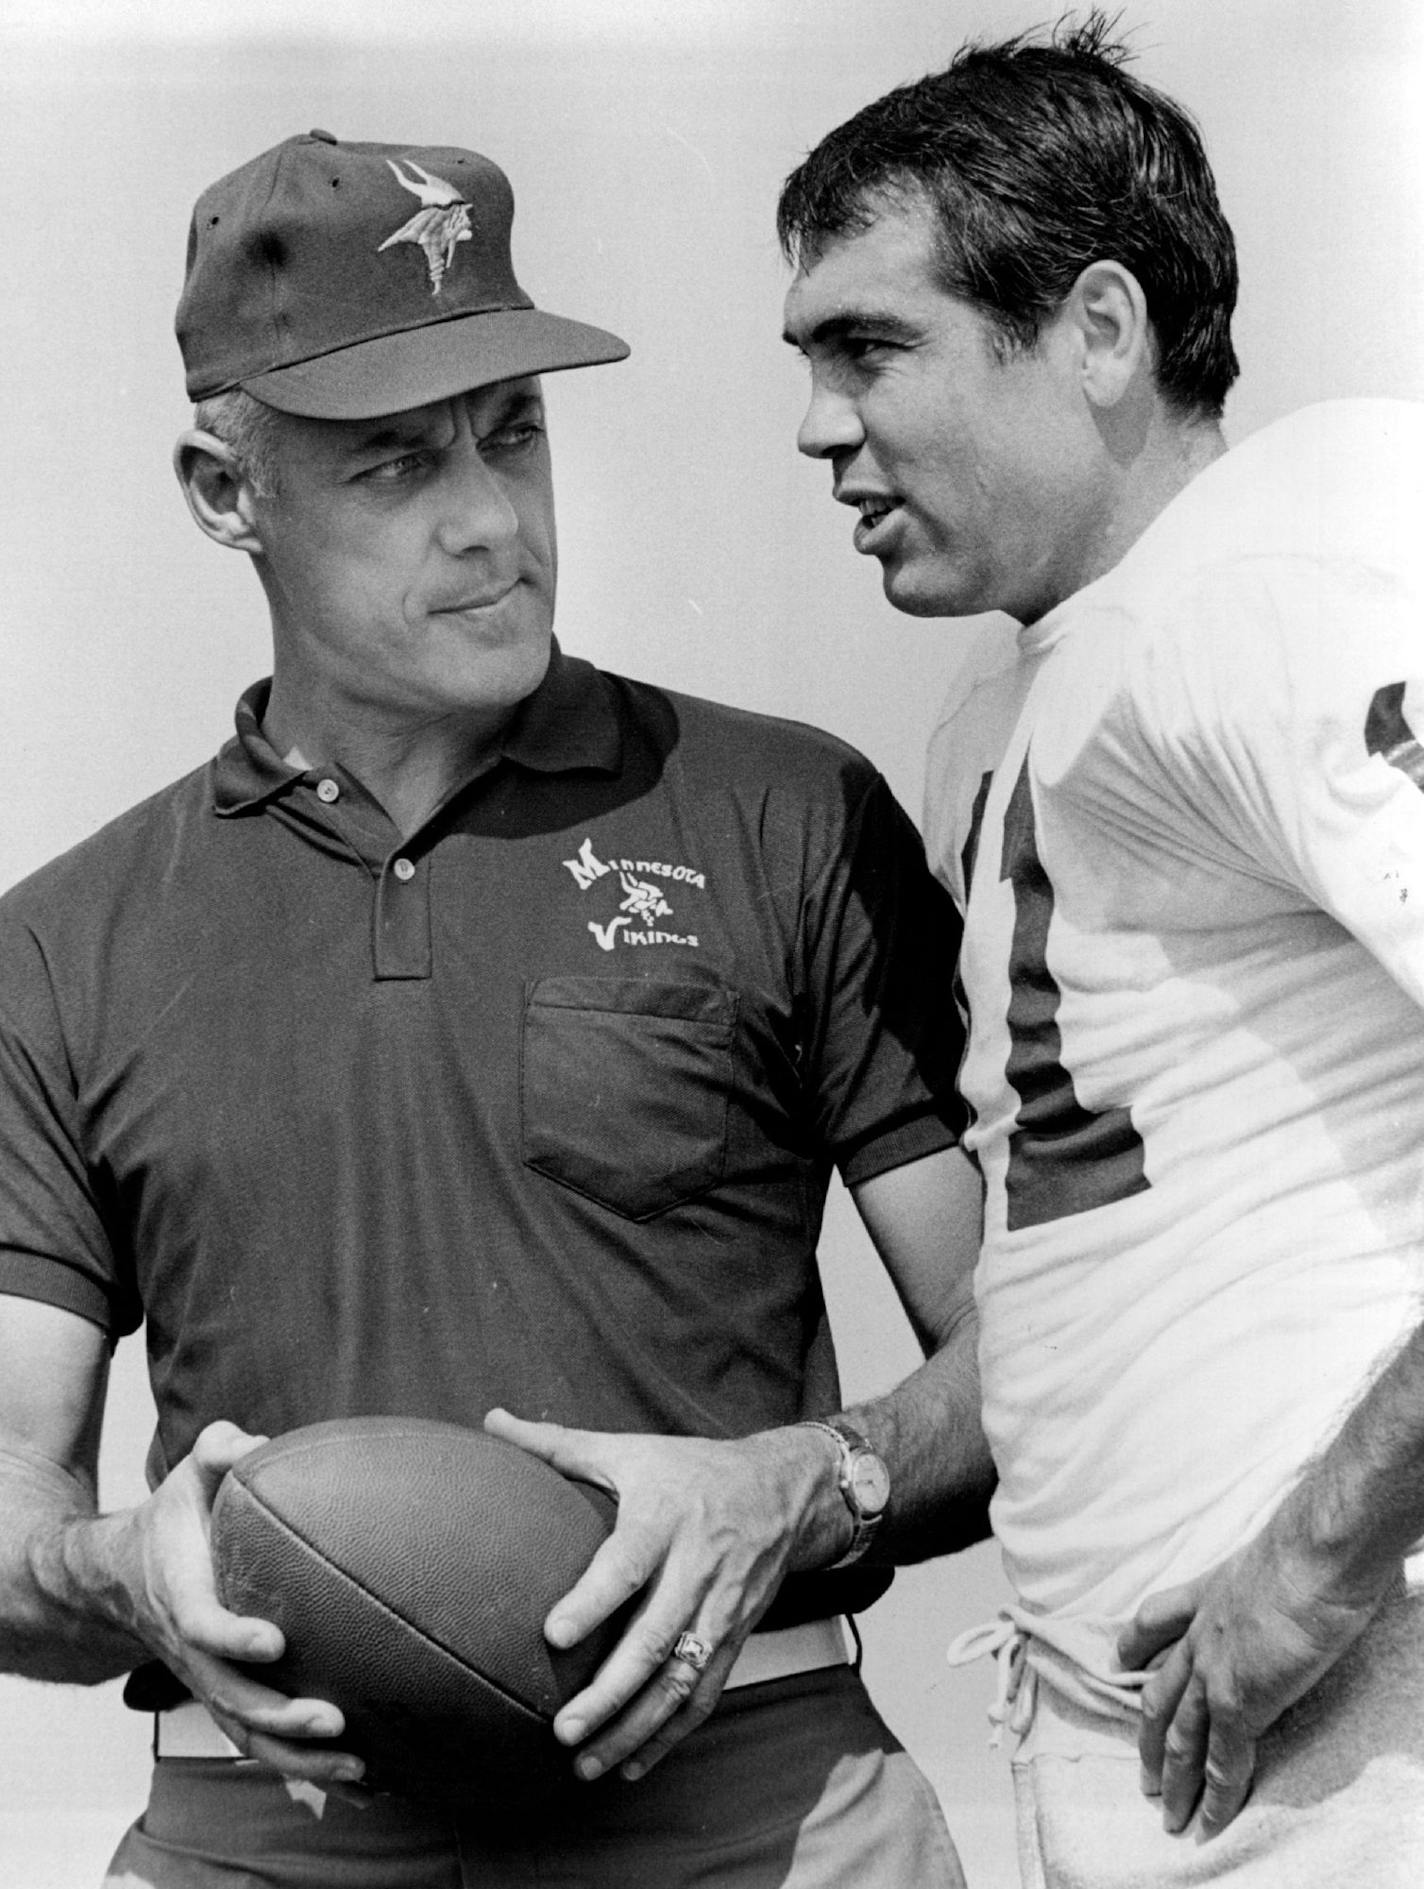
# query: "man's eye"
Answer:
x=513 y=438
x=392 y=471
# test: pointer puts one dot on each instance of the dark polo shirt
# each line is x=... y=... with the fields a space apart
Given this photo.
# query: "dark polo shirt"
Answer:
x=537 y=1107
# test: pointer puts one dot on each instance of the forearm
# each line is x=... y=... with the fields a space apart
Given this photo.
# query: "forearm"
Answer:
x=1234 y=1649
x=927 y=1429
x=60 y=1602
x=941 y=1474
x=1358 y=1508
x=925 y=1220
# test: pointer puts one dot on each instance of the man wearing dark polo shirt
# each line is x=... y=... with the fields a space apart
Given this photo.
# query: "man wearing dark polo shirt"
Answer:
x=476 y=1031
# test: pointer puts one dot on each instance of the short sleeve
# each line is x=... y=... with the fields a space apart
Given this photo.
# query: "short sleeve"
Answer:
x=1301 y=691
x=53 y=1244
x=880 y=944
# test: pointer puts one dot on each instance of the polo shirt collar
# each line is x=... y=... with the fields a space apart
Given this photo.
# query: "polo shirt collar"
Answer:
x=248 y=771
x=569 y=723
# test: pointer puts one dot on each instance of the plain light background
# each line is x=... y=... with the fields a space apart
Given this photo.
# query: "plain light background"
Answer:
x=646 y=140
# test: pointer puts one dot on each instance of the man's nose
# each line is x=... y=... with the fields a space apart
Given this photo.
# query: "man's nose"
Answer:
x=477 y=514
x=832 y=424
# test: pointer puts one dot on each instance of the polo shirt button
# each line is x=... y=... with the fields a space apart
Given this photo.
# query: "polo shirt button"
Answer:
x=327 y=791
x=404 y=870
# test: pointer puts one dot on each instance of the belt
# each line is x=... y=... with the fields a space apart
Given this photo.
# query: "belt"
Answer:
x=788 y=1651
x=190 y=1731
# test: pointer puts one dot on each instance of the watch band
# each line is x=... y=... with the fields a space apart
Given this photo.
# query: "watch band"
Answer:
x=864 y=1484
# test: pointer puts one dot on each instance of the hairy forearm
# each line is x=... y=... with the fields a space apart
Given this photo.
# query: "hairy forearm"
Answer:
x=1358 y=1508
x=928 y=1430
x=59 y=1603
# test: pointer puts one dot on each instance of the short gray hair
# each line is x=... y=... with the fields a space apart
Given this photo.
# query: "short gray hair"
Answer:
x=249 y=427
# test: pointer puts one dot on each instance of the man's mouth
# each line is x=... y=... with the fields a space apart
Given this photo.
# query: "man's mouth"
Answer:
x=874 y=514
x=484 y=600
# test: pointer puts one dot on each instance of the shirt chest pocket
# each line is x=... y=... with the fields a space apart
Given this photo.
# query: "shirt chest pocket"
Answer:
x=623 y=1088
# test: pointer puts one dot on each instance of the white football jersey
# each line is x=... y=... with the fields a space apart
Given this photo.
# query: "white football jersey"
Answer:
x=1190 y=810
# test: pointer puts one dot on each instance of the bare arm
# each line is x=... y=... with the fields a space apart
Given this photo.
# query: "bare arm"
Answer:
x=925 y=1220
x=707 y=1529
x=1255 y=1634
x=54 y=1372
x=85 y=1596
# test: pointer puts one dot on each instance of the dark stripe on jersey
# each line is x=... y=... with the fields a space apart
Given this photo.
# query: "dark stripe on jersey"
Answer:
x=1389 y=735
x=976 y=822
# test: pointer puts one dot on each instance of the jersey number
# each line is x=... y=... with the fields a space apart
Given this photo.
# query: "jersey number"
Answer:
x=1063 y=1158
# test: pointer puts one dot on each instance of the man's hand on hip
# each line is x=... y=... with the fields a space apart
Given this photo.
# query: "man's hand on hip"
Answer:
x=1235 y=1648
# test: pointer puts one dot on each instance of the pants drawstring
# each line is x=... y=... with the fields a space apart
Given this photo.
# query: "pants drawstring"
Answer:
x=1067 y=1655
x=1013 y=1701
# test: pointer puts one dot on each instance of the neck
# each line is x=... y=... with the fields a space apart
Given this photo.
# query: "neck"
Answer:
x=410 y=767
x=1171 y=455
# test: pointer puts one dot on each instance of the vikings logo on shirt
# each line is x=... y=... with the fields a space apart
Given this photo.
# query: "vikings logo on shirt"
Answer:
x=438 y=227
x=643 y=902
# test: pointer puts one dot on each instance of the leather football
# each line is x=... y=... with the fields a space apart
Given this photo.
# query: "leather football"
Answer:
x=410 y=1566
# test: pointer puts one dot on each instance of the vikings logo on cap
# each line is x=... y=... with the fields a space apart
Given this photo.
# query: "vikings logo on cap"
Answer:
x=289 y=292
x=438 y=227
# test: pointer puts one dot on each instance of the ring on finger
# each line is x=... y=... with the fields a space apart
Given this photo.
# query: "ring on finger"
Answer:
x=694 y=1651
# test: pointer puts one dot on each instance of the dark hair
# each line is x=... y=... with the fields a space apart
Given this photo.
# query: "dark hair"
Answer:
x=1039 y=157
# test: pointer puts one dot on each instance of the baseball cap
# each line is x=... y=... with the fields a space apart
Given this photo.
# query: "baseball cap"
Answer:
x=342 y=281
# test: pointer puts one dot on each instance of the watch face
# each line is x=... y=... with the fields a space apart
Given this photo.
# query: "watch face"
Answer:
x=869 y=1483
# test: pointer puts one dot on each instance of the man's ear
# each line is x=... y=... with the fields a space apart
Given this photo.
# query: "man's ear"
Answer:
x=218 y=495
x=1109 y=312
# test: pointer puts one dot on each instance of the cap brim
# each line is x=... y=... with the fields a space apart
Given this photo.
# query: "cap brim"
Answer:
x=396 y=372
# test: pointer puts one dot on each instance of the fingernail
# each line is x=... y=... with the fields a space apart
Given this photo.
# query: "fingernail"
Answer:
x=559 y=1631
x=349 y=1773
x=632 y=1771
x=588 y=1769
x=571 y=1730
x=1147 y=1784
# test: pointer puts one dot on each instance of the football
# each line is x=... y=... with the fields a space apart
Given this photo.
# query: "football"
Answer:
x=410 y=1565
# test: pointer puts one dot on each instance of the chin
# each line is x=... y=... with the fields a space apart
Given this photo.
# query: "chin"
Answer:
x=494 y=679
x=925 y=597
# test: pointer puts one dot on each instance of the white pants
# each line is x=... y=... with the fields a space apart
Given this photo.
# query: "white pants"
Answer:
x=1338 y=1801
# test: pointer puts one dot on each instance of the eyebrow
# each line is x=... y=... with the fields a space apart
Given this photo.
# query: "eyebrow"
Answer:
x=403 y=437
x=384 y=438
x=520 y=400
x=854 y=321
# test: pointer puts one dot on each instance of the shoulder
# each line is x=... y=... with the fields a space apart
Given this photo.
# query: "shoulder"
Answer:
x=744 y=747
x=87 y=882
x=1295 y=556
x=1339 y=447
x=800 y=807
x=1339 y=484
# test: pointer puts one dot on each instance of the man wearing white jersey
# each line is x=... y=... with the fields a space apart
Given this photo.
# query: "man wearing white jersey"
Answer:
x=1185 y=819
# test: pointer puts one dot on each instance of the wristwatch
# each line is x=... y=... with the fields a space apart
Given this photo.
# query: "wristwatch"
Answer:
x=864 y=1483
